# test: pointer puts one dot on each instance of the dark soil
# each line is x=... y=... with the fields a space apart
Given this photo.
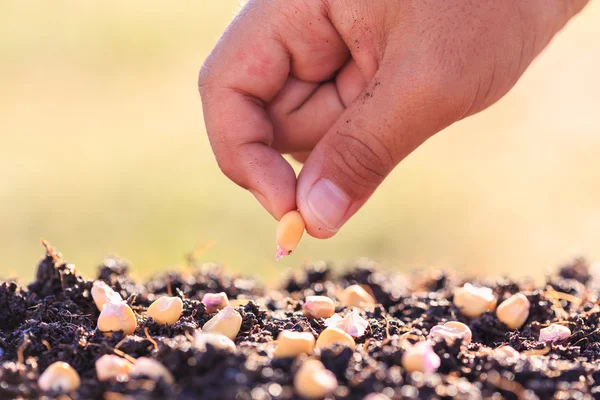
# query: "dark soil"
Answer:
x=54 y=318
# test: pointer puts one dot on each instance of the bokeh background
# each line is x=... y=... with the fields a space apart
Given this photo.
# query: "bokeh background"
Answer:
x=103 y=151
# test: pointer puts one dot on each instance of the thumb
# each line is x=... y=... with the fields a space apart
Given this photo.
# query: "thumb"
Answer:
x=394 y=115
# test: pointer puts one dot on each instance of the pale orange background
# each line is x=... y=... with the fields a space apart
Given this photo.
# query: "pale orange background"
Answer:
x=103 y=151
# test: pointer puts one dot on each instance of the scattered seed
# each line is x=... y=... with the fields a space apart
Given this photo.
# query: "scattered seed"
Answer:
x=116 y=317
x=513 y=312
x=357 y=296
x=111 y=367
x=452 y=330
x=318 y=307
x=314 y=381
x=474 y=301
x=102 y=294
x=420 y=357
x=145 y=366
x=227 y=322
x=353 y=324
x=291 y=344
x=216 y=340
x=215 y=301
x=554 y=333
x=331 y=336
x=59 y=377
x=166 y=310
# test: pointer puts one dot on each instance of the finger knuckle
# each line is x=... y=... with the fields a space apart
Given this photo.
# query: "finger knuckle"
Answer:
x=362 y=159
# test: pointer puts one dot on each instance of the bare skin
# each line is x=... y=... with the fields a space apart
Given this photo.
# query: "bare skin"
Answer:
x=351 y=87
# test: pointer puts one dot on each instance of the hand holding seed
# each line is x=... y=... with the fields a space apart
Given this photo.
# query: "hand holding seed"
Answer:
x=353 y=87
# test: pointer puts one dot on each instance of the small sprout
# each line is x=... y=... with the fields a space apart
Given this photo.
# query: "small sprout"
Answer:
x=227 y=322
x=353 y=324
x=102 y=294
x=112 y=367
x=216 y=340
x=314 y=381
x=506 y=352
x=215 y=301
x=59 y=377
x=513 y=312
x=289 y=232
x=291 y=344
x=117 y=317
x=318 y=307
x=554 y=333
x=452 y=330
x=331 y=336
x=420 y=357
x=474 y=301
x=149 y=367
x=357 y=296
x=166 y=310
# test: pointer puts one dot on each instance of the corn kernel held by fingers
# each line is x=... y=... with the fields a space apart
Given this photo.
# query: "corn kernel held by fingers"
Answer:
x=59 y=377
x=314 y=381
x=117 y=316
x=166 y=310
x=102 y=294
x=145 y=366
x=289 y=232
x=112 y=367
x=291 y=344
x=227 y=322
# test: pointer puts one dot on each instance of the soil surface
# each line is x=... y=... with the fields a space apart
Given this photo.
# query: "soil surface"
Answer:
x=54 y=318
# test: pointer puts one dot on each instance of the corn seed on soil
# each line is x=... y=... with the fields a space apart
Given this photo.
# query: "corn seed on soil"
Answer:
x=54 y=318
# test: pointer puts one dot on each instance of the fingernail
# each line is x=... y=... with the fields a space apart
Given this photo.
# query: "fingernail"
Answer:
x=328 y=203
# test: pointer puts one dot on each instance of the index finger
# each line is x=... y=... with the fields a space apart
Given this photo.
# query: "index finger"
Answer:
x=247 y=68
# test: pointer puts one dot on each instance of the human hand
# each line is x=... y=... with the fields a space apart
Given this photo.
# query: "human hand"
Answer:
x=354 y=86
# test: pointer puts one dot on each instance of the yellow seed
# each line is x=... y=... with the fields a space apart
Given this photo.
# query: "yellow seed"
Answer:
x=291 y=344
x=452 y=330
x=357 y=296
x=60 y=377
x=102 y=294
x=215 y=301
x=318 y=307
x=314 y=381
x=227 y=322
x=117 y=317
x=420 y=357
x=112 y=367
x=331 y=336
x=289 y=232
x=474 y=301
x=215 y=340
x=149 y=367
x=513 y=312
x=166 y=310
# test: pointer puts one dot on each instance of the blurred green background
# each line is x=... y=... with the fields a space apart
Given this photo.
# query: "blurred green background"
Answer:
x=103 y=151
